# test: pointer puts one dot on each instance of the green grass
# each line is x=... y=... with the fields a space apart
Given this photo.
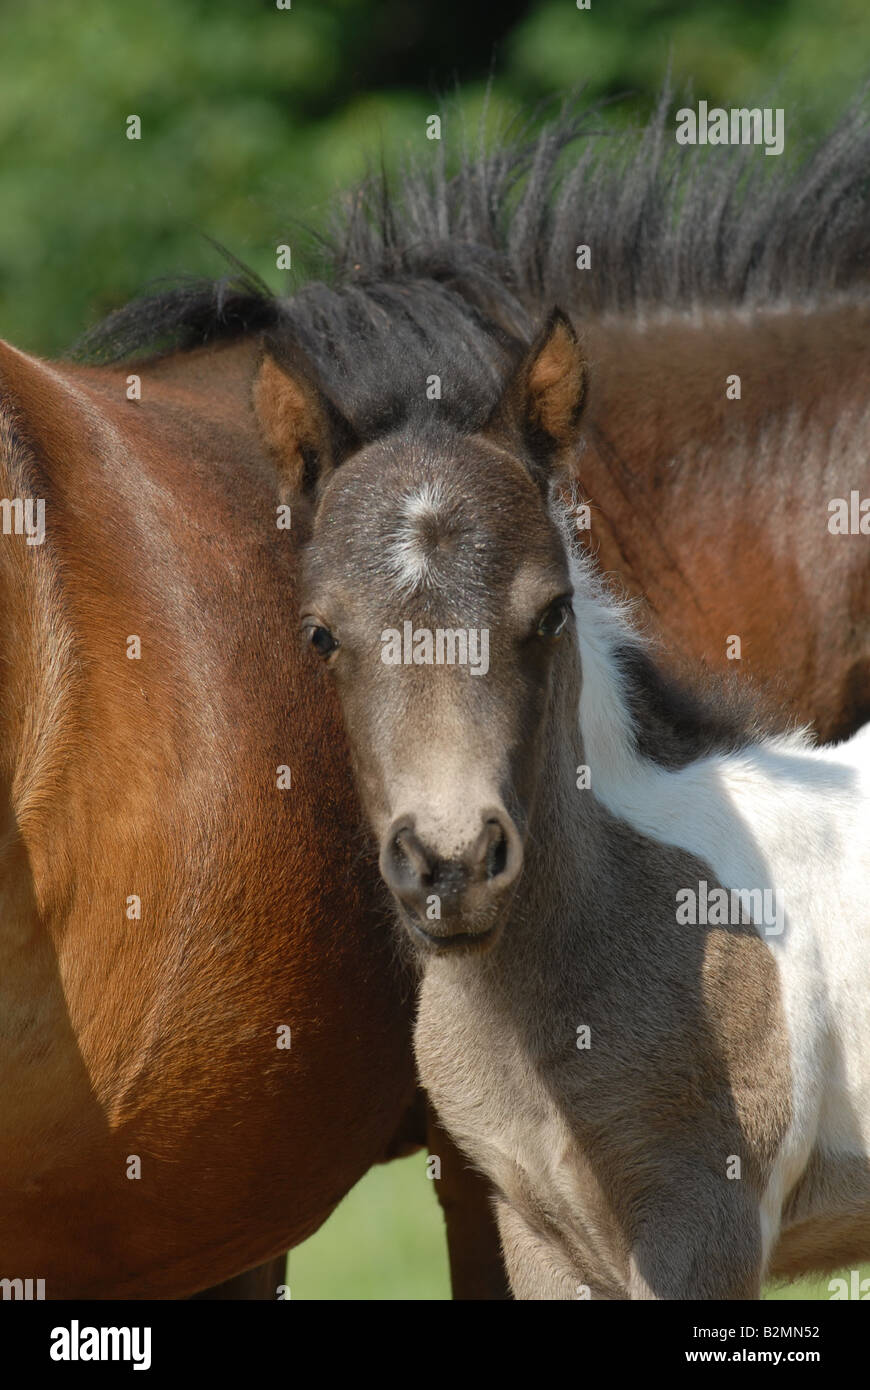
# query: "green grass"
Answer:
x=386 y=1241
x=810 y=1288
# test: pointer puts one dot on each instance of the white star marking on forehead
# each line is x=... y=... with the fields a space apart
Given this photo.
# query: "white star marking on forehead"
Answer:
x=408 y=556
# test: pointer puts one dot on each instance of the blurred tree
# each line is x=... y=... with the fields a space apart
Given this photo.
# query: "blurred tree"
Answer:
x=254 y=117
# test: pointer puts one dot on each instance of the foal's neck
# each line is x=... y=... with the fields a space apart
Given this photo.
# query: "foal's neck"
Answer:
x=608 y=813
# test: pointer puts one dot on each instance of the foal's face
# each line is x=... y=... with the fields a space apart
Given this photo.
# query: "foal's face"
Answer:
x=437 y=592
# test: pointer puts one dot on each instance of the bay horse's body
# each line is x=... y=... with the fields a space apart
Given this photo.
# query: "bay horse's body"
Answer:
x=157 y=1037
x=642 y=923
x=157 y=777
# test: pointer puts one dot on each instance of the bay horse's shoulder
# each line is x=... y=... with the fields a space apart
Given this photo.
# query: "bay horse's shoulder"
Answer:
x=38 y=393
x=217 y=378
x=187 y=420
x=19 y=373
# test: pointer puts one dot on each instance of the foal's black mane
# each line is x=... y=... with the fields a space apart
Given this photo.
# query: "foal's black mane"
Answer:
x=449 y=272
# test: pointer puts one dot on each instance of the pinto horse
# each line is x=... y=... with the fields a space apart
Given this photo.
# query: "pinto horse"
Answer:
x=142 y=776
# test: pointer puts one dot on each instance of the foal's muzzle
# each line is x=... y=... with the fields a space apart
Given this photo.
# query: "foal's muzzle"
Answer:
x=453 y=902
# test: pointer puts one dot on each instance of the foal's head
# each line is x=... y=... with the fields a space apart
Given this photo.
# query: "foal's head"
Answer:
x=436 y=591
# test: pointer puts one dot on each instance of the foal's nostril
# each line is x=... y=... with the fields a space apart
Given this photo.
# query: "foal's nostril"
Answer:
x=497 y=853
x=410 y=850
x=405 y=863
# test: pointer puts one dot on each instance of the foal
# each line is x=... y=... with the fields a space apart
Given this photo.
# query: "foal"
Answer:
x=644 y=946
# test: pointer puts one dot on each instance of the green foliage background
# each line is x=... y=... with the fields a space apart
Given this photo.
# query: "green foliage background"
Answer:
x=254 y=119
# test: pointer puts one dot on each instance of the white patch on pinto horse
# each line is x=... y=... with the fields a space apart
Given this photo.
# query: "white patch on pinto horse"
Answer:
x=778 y=814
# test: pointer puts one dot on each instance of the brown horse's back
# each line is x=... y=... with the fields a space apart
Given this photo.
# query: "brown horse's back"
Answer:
x=155 y=778
x=715 y=507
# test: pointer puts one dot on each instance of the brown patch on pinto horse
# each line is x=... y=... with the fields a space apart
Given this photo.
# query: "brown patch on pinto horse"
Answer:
x=715 y=511
x=827 y=1217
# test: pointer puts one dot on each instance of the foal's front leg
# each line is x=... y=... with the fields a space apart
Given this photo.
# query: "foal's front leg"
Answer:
x=703 y=1246
x=477 y=1270
x=537 y=1268
x=699 y=1245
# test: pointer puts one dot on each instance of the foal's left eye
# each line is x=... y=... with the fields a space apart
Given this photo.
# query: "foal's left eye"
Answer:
x=554 y=618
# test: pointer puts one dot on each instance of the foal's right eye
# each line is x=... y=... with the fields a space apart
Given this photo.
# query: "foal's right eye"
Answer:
x=322 y=640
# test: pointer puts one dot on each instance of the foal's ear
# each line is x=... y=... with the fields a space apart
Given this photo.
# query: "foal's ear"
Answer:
x=543 y=401
x=304 y=430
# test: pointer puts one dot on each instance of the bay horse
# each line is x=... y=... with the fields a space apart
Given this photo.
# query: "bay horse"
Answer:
x=205 y=1039
x=644 y=1007
x=206 y=1032
x=155 y=776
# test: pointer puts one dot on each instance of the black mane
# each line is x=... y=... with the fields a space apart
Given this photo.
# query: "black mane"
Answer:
x=449 y=273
